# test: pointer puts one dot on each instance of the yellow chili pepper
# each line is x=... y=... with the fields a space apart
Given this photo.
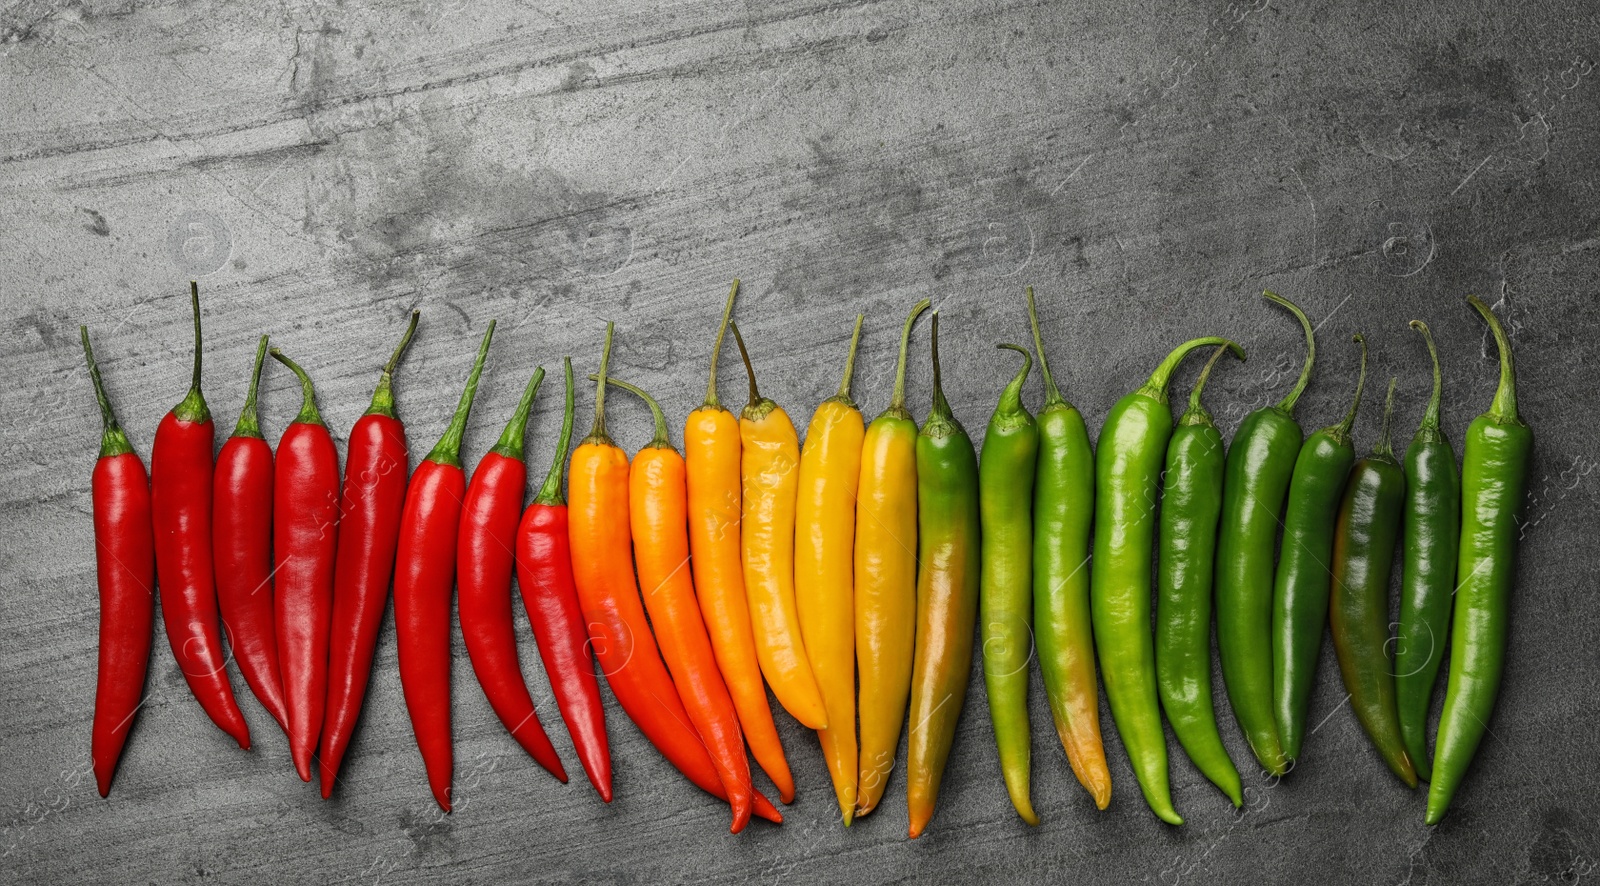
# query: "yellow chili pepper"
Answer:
x=825 y=517
x=768 y=469
x=886 y=581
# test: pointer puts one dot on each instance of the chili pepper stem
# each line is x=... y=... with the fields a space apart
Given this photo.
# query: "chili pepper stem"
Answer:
x=1011 y=397
x=897 y=403
x=849 y=368
x=383 y=394
x=1503 y=409
x=1429 y=428
x=249 y=424
x=550 y=492
x=598 y=433
x=1341 y=431
x=511 y=439
x=113 y=439
x=308 y=398
x=193 y=406
x=1197 y=414
x=1385 y=447
x=941 y=421
x=1156 y=387
x=662 y=439
x=1052 y=394
x=716 y=349
x=448 y=450
x=1288 y=402
x=759 y=407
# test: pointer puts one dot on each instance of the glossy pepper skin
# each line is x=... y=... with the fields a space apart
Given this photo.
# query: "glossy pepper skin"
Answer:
x=886 y=582
x=1260 y=465
x=124 y=557
x=1494 y=485
x=544 y=573
x=770 y=484
x=1300 y=590
x=1005 y=598
x=1191 y=502
x=305 y=537
x=1133 y=445
x=424 y=574
x=485 y=558
x=658 y=520
x=1432 y=542
x=824 y=569
x=241 y=541
x=711 y=458
x=370 y=505
x=947 y=596
x=1358 y=610
x=181 y=519
x=1063 y=514
x=619 y=632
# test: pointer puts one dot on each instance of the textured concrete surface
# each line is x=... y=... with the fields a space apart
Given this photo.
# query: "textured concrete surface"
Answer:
x=323 y=167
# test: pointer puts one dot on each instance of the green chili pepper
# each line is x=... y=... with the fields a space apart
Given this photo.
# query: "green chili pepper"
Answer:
x=1191 y=501
x=1358 y=607
x=1300 y=594
x=1005 y=602
x=1427 y=568
x=947 y=596
x=1260 y=464
x=1494 y=481
x=1063 y=512
x=1133 y=443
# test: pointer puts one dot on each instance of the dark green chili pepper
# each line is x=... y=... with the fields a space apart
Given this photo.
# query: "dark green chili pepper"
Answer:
x=1260 y=463
x=1494 y=483
x=947 y=596
x=1191 y=501
x=1133 y=445
x=1063 y=512
x=1005 y=500
x=1358 y=607
x=1300 y=594
x=1427 y=568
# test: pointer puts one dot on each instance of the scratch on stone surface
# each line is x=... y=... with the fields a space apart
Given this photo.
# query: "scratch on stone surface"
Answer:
x=1471 y=174
x=1071 y=175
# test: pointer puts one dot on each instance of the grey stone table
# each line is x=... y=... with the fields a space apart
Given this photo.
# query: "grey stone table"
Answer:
x=323 y=168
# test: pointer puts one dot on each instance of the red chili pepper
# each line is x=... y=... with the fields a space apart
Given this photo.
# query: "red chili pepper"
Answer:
x=305 y=535
x=484 y=560
x=125 y=568
x=544 y=573
x=241 y=541
x=609 y=595
x=375 y=468
x=425 y=569
x=180 y=513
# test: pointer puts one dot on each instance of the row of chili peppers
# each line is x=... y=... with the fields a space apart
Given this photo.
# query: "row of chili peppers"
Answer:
x=871 y=555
